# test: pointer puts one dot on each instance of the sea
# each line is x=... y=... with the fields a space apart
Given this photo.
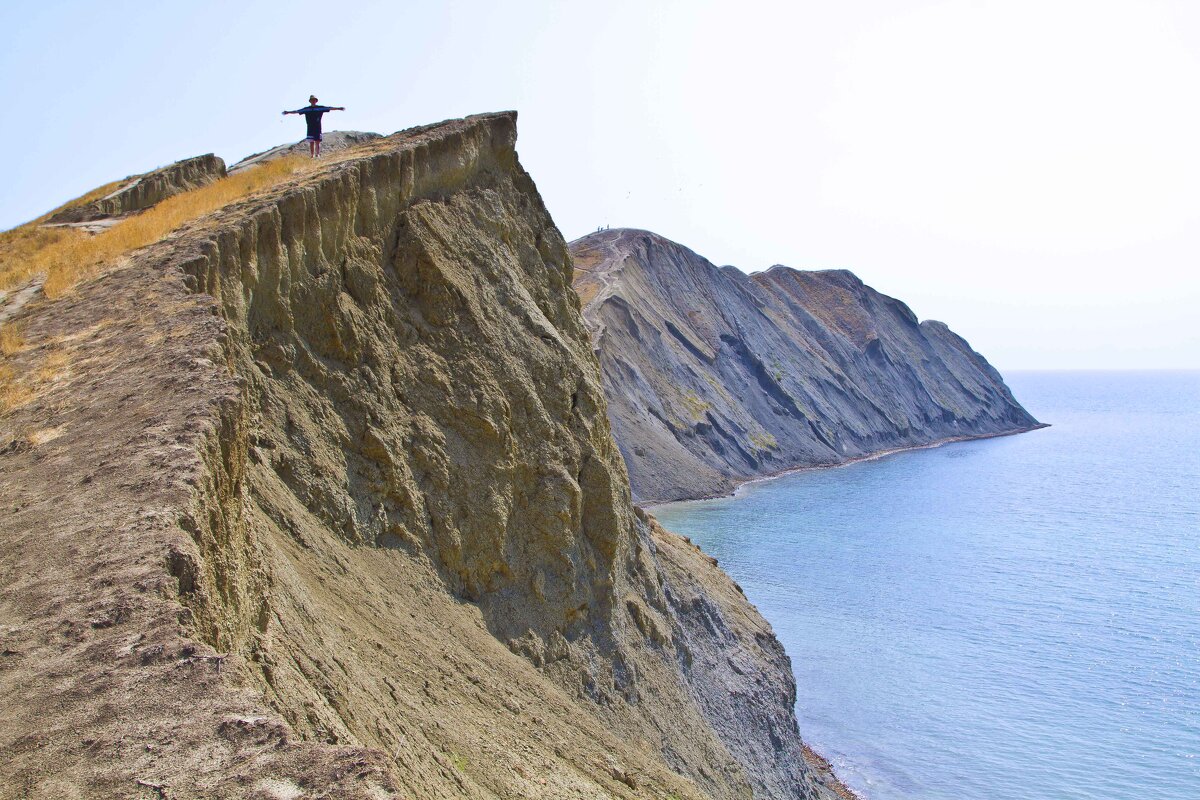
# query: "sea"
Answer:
x=1005 y=619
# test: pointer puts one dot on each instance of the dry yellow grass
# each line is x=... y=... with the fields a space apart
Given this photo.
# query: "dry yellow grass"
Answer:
x=13 y=393
x=66 y=256
x=11 y=340
x=20 y=383
x=19 y=244
x=19 y=248
x=83 y=199
x=53 y=367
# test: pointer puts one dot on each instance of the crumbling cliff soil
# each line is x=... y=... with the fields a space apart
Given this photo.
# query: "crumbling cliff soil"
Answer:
x=714 y=376
x=318 y=498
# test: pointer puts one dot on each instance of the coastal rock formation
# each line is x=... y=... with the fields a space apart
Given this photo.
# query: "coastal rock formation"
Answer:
x=140 y=192
x=318 y=497
x=714 y=376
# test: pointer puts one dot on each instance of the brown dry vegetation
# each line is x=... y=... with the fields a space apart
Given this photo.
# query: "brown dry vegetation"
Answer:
x=68 y=256
x=27 y=371
x=19 y=246
x=82 y=200
x=53 y=366
x=11 y=392
x=11 y=340
x=20 y=243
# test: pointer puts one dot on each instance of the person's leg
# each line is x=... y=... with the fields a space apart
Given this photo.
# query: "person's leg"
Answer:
x=318 y=148
x=312 y=152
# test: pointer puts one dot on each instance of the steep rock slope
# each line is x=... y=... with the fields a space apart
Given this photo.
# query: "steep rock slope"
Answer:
x=317 y=497
x=714 y=376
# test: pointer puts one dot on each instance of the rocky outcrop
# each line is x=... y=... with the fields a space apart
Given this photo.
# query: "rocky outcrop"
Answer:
x=351 y=522
x=714 y=376
x=143 y=191
x=332 y=142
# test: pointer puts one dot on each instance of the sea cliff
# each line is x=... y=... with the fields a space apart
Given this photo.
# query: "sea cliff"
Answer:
x=714 y=376
x=318 y=497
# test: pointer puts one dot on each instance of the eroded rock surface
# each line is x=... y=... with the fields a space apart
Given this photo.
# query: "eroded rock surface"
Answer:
x=714 y=376
x=143 y=191
x=318 y=497
x=332 y=142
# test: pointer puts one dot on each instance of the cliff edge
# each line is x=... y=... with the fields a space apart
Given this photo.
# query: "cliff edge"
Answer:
x=714 y=376
x=317 y=497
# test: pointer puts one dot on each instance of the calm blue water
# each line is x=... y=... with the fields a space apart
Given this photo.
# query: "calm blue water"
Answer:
x=1006 y=618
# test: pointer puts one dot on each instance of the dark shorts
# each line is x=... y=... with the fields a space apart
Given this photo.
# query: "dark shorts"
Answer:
x=313 y=137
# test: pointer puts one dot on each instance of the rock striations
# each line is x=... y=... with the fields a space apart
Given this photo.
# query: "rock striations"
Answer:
x=317 y=497
x=714 y=376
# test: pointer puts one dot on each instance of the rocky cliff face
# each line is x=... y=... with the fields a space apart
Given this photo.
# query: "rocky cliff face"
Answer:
x=714 y=376
x=318 y=497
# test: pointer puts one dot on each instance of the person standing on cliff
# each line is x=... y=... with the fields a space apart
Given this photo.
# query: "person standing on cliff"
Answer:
x=312 y=115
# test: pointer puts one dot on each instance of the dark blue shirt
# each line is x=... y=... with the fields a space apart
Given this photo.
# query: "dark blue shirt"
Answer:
x=312 y=115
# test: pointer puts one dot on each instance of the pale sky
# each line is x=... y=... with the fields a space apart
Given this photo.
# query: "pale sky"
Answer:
x=1027 y=172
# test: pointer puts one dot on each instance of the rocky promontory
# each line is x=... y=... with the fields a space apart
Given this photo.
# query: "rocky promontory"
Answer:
x=317 y=497
x=333 y=142
x=714 y=376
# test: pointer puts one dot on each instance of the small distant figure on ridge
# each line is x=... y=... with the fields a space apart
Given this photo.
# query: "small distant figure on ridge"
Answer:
x=312 y=115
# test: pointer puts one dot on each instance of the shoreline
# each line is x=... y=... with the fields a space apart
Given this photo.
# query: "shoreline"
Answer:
x=820 y=765
x=878 y=454
x=825 y=772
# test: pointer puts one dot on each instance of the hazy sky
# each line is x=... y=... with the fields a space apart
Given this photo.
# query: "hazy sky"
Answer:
x=1028 y=172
